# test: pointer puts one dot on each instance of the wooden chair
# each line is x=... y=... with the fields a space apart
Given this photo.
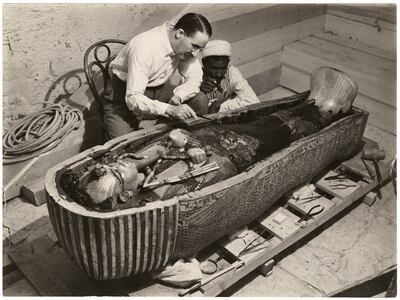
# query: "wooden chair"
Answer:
x=99 y=55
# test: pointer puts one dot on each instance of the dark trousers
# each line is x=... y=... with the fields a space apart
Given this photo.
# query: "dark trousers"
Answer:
x=119 y=120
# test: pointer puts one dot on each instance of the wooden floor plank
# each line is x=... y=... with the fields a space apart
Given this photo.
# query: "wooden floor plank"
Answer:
x=11 y=278
x=50 y=271
x=20 y=288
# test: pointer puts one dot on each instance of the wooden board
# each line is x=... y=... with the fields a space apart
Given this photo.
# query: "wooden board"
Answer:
x=222 y=11
x=365 y=33
x=362 y=61
x=263 y=44
x=307 y=57
x=337 y=187
x=373 y=13
x=360 y=46
x=263 y=74
x=281 y=229
x=47 y=267
x=304 y=207
x=246 y=25
x=20 y=288
x=236 y=246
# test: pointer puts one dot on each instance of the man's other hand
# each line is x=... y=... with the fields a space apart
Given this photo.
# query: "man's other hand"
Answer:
x=175 y=100
x=180 y=112
x=208 y=85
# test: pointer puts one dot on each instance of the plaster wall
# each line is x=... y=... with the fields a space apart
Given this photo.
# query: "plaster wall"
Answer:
x=44 y=44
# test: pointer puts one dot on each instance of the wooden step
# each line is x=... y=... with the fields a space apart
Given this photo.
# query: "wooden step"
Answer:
x=222 y=11
x=370 y=14
x=381 y=86
x=276 y=93
x=264 y=73
x=260 y=45
x=360 y=46
x=276 y=16
x=381 y=116
x=362 y=61
x=373 y=35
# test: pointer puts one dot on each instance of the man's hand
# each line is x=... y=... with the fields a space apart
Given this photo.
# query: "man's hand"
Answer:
x=208 y=85
x=214 y=107
x=180 y=112
x=175 y=100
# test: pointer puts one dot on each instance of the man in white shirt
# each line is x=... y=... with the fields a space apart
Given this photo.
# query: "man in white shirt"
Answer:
x=142 y=69
x=223 y=84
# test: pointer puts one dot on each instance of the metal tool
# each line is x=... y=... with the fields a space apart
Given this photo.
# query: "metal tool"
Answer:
x=315 y=210
x=370 y=173
x=207 y=118
x=341 y=174
x=193 y=173
x=250 y=245
x=375 y=155
x=341 y=186
x=335 y=177
x=308 y=199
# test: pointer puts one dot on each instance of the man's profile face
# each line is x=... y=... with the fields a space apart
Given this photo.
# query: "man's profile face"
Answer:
x=190 y=46
x=215 y=67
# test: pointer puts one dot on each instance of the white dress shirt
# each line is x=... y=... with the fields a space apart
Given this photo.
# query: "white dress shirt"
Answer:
x=148 y=60
x=237 y=91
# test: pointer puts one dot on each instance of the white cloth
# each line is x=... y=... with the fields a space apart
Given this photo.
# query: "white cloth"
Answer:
x=238 y=91
x=181 y=273
x=217 y=48
x=148 y=60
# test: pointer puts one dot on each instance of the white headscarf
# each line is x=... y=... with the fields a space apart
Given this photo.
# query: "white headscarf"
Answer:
x=217 y=48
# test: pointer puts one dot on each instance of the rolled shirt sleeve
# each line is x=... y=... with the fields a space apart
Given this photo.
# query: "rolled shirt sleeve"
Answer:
x=244 y=93
x=192 y=75
x=140 y=61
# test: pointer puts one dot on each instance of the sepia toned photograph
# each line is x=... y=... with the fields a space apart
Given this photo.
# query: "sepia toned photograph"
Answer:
x=199 y=150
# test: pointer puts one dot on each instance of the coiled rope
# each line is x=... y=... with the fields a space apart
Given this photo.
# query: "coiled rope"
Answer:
x=39 y=132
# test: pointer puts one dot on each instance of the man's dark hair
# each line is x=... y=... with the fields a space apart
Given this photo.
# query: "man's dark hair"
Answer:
x=191 y=23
